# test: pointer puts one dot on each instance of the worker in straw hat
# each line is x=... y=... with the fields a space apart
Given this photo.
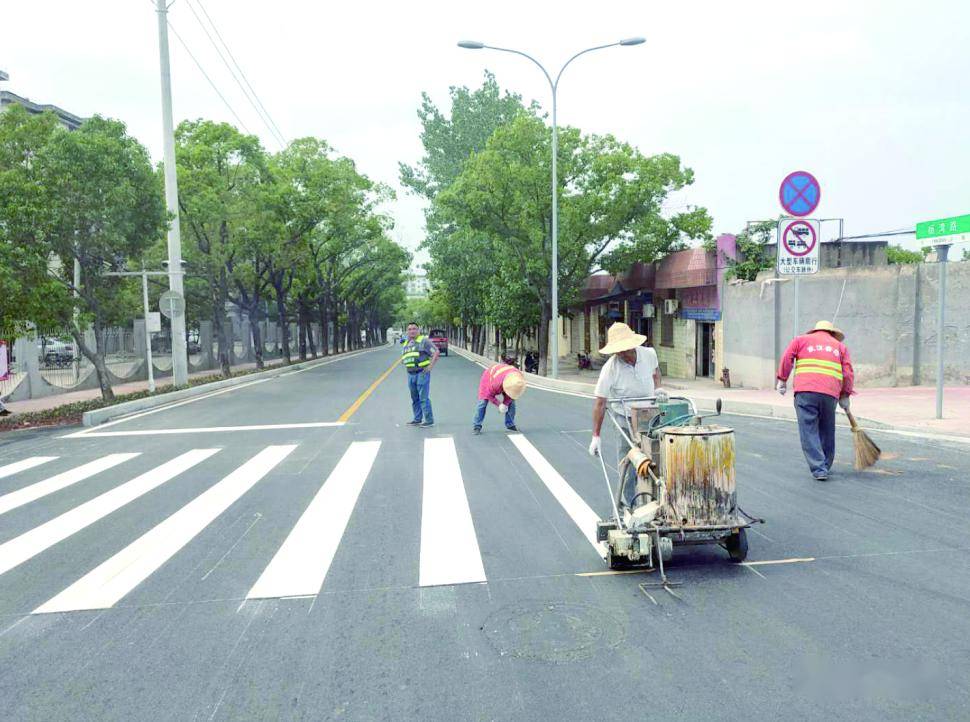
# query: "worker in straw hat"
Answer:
x=632 y=371
x=823 y=378
x=499 y=380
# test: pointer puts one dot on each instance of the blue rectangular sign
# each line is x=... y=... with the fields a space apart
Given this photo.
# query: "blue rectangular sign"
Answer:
x=701 y=314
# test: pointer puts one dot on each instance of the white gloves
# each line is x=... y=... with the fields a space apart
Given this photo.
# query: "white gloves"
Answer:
x=661 y=396
x=844 y=402
x=781 y=387
x=594 y=446
x=502 y=408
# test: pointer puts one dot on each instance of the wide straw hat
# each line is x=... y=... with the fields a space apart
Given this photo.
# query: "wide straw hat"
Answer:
x=513 y=385
x=827 y=326
x=620 y=337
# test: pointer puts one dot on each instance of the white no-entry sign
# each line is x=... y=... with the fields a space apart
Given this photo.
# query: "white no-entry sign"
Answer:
x=798 y=240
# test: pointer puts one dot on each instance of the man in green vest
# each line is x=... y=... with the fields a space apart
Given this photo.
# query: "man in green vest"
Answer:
x=419 y=356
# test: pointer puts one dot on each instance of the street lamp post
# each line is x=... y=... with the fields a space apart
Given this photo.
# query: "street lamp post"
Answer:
x=554 y=86
x=180 y=364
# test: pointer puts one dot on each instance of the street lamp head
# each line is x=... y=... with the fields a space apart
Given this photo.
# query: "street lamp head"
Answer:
x=470 y=44
x=633 y=41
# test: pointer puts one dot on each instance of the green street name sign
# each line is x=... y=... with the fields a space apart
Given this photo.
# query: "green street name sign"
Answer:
x=943 y=227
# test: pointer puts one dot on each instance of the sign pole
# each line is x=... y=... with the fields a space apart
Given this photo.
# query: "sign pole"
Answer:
x=795 y=306
x=148 y=335
x=942 y=251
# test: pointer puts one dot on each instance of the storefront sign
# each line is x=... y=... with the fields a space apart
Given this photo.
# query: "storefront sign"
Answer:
x=709 y=315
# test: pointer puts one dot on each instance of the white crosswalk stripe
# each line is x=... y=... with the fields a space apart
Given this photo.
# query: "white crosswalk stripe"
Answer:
x=31 y=543
x=577 y=509
x=449 y=551
x=102 y=587
x=23 y=465
x=302 y=562
x=449 y=546
x=42 y=488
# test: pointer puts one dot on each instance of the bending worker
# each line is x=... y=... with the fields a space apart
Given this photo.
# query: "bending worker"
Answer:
x=499 y=380
x=419 y=356
x=823 y=377
x=632 y=371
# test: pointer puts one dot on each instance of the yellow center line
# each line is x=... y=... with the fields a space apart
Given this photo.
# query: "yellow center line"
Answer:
x=363 y=397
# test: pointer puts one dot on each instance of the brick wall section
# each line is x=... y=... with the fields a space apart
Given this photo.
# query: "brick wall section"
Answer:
x=679 y=359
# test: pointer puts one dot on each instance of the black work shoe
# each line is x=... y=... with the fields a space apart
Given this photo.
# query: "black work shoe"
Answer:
x=823 y=476
x=476 y=430
x=415 y=423
x=427 y=424
x=512 y=428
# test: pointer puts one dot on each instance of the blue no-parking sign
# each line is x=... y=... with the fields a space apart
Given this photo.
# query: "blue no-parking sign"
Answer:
x=800 y=193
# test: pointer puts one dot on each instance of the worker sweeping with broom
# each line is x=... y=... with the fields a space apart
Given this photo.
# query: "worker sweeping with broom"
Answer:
x=823 y=378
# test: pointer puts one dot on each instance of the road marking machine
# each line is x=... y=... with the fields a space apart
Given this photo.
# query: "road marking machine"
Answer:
x=676 y=484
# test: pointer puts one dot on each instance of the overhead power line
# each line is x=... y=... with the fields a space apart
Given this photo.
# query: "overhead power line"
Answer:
x=211 y=82
x=248 y=91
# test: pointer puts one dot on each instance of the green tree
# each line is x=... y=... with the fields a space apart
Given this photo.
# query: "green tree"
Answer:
x=222 y=182
x=898 y=255
x=105 y=207
x=753 y=253
x=611 y=199
x=30 y=294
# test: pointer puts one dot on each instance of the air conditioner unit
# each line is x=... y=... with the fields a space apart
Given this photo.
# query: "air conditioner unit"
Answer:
x=648 y=310
x=670 y=306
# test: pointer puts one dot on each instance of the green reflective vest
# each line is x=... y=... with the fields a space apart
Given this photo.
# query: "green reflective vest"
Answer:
x=412 y=355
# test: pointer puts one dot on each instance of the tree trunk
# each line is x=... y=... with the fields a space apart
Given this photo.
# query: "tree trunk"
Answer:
x=301 y=331
x=544 y=339
x=324 y=328
x=257 y=340
x=96 y=357
x=284 y=326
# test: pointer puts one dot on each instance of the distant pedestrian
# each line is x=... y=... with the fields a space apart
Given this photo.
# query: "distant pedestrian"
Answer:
x=419 y=356
x=499 y=380
x=823 y=378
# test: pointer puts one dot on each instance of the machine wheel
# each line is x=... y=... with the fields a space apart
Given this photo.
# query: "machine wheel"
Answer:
x=667 y=550
x=613 y=562
x=737 y=546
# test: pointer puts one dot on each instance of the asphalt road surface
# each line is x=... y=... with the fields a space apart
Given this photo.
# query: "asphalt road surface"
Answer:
x=248 y=556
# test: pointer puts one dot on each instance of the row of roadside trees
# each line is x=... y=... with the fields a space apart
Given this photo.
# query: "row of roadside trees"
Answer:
x=295 y=236
x=486 y=175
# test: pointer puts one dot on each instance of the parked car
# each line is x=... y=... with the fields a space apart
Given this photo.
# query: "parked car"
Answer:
x=56 y=353
x=440 y=339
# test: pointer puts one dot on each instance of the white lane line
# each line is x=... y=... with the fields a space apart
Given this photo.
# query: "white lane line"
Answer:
x=102 y=587
x=91 y=431
x=29 y=544
x=796 y=560
x=23 y=465
x=56 y=483
x=577 y=509
x=211 y=429
x=301 y=564
x=449 y=547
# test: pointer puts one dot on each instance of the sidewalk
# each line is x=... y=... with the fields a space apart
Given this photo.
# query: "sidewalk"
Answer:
x=906 y=408
x=51 y=402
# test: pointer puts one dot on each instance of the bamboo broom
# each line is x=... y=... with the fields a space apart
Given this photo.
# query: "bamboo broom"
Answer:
x=866 y=451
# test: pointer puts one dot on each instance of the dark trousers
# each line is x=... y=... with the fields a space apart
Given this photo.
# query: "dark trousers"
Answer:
x=816 y=429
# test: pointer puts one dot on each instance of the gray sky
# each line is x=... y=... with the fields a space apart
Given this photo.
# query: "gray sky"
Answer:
x=871 y=97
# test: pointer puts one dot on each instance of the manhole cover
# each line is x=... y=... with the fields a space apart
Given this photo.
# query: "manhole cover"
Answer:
x=552 y=632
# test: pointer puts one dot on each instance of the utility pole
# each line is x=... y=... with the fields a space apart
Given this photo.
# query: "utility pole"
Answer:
x=942 y=251
x=180 y=365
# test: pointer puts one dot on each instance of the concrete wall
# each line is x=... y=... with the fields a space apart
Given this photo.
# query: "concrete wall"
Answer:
x=888 y=314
